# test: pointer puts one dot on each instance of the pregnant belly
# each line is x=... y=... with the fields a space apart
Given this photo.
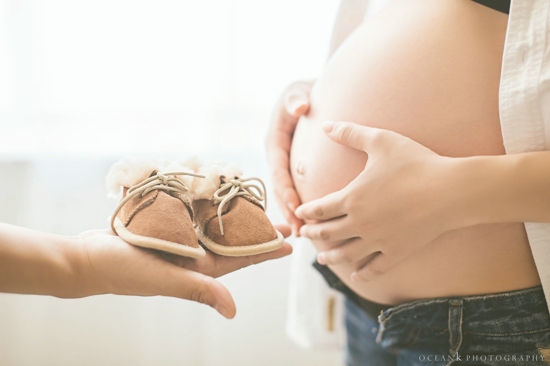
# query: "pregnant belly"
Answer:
x=430 y=70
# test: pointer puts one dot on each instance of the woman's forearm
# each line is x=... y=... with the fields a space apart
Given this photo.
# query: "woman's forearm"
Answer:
x=507 y=188
x=33 y=262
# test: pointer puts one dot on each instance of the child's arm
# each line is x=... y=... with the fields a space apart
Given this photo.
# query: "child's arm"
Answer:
x=99 y=262
x=32 y=262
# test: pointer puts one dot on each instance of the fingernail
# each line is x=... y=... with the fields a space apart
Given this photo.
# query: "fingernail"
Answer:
x=327 y=126
x=321 y=258
x=355 y=277
x=297 y=104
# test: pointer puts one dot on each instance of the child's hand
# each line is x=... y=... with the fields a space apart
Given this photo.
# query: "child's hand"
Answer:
x=293 y=103
x=110 y=265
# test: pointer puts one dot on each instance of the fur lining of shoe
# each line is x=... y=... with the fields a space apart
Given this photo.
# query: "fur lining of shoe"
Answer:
x=204 y=188
x=130 y=171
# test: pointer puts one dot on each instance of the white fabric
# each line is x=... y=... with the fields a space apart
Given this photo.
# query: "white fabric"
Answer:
x=374 y=6
x=307 y=322
x=525 y=102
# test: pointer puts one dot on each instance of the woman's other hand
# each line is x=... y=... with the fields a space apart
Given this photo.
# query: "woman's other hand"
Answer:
x=293 y=103
x=400 y=202
x=111 y=265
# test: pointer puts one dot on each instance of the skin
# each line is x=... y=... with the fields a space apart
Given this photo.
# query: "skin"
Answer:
x=447 y=89
x=510 y=188
x=294 y=103
x=99 y=262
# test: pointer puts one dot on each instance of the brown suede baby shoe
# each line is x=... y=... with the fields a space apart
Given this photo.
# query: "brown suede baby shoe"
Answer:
x=233 y=222
x=156 y=213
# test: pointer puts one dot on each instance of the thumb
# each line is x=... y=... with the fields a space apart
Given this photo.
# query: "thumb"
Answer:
x=297 y=102
x=197 y=287
x=353 y=135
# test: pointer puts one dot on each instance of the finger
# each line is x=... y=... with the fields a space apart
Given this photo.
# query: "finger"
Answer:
x=294 y=222
x=289 y=216
x=282 y=125
x=278 y=145
x=287 y=197
x=279 y=139
x=324 y=208
x=197 y=287
x=291 y=198
x=331 y=230
x=283 y=229
x=284 y=190
x=292 y=201
x=351 y=251
x=356 y=136
x=97 y=231
x=372 y=269
x=227 y=265
x=323 y=246
x=296 y=103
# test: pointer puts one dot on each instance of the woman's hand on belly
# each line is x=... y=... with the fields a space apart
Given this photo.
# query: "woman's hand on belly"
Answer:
x=400 y=202
x=293 y=103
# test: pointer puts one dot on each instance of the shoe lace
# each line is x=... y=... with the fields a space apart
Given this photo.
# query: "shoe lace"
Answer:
x=167 y=182
x=238 y=187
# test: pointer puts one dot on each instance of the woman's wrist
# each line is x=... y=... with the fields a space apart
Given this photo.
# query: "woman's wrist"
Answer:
x=473 y=190
x=503 y=188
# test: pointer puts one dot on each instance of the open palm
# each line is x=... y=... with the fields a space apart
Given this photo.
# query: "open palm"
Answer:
x=114 y=266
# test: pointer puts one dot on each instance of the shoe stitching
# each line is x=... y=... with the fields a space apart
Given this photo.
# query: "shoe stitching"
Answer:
x=187 y=203
x=204 y=225
x=143 y=205
x=238 y=187
x=167 y=182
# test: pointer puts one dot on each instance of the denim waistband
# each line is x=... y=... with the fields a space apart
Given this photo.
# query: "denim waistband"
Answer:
x=482 y=311
x=448 y=320
x=505 y=312
x=513 y=317
x=371 y=308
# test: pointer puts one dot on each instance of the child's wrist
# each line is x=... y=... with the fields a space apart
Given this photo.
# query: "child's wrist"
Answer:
x=84 y=281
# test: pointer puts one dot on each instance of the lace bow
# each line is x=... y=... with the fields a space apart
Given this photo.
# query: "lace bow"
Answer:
x=167 y=182
x=238 y=187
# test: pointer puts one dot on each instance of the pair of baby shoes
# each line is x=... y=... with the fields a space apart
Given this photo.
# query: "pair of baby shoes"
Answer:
x=172 y=206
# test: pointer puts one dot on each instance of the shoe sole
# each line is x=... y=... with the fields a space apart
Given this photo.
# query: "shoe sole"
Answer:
x=158 y=244
x=240 y=251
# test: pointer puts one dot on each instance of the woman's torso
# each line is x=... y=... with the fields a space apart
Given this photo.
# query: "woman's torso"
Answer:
x=428 y=69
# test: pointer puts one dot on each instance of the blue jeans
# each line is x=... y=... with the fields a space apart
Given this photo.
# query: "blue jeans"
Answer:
x=496 y=329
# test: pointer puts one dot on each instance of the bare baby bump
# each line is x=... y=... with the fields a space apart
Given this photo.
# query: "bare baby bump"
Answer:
x=430 y=71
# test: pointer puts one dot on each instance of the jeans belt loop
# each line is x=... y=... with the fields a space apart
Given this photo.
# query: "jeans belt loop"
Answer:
x=382 y=325
x=455 y=326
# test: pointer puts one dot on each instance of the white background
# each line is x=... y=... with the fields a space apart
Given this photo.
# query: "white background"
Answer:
x=83 y=83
